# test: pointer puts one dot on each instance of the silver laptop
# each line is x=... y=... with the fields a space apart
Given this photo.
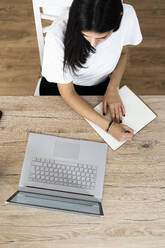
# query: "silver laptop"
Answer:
x=62 y=174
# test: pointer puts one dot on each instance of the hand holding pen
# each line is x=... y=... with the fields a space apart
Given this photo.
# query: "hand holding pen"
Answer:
x=121 y=132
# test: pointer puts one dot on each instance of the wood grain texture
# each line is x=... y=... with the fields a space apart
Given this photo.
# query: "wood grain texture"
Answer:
x=134 y=186
x=20 y=66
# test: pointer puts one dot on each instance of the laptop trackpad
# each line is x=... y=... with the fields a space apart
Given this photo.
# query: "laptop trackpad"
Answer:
x=66 y=150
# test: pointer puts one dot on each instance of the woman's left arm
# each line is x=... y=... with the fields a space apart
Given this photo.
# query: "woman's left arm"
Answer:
x=112 y=98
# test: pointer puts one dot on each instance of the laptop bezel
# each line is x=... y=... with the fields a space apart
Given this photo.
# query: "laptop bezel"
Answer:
x=9 y=201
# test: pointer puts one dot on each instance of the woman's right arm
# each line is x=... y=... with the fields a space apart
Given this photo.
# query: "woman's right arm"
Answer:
x=80 y=106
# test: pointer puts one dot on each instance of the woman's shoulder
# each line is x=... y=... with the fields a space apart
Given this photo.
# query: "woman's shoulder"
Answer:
x=58 y=27
x=128 y=10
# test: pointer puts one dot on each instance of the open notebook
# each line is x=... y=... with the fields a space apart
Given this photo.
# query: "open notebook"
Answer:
x=138 y=115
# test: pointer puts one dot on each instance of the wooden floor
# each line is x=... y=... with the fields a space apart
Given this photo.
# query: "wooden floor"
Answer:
x=20 y=66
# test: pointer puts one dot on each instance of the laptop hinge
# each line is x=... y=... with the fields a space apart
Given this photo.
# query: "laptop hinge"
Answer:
x=59 y=193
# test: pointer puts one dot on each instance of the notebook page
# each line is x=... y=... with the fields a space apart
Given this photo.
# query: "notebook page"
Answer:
x=138 y=115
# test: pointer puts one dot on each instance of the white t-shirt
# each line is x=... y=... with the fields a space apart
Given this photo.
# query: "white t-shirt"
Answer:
x=101 y=63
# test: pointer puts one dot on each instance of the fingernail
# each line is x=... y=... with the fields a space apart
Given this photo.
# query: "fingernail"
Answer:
x=103 y=113
x=120 y=121
x=124 y=115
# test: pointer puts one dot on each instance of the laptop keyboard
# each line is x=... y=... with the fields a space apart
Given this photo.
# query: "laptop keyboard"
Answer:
x=56 y=172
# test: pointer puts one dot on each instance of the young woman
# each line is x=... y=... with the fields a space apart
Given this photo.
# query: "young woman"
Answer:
x=86 y=54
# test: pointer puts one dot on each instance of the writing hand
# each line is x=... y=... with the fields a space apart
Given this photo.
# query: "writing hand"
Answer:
x=118 y=132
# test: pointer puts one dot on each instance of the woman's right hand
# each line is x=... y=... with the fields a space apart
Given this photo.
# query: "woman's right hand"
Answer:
x=117 y=131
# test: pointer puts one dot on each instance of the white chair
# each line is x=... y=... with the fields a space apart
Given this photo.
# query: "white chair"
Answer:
x=48 y=10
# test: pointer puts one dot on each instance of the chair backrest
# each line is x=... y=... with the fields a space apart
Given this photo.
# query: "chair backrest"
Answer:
x=46 y=10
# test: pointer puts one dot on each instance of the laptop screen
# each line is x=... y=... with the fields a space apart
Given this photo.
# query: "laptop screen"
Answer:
x=56 y=203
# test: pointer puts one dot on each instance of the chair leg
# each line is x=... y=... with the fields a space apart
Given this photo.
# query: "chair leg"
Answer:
x=37 y=90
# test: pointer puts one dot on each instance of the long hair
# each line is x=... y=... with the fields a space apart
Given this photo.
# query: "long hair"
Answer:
x=99 y=16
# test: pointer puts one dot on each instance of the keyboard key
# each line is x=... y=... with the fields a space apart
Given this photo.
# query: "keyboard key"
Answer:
x=43 y=181
x=35 y=163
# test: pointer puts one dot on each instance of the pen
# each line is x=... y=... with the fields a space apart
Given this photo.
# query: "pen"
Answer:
x=1 y=114
x=126 y=131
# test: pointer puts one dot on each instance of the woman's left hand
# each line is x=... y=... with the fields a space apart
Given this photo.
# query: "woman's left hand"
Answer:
x=113 y=101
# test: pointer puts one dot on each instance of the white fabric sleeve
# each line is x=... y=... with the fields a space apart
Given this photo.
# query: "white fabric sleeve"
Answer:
x=52 y=66
x=132 y=32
